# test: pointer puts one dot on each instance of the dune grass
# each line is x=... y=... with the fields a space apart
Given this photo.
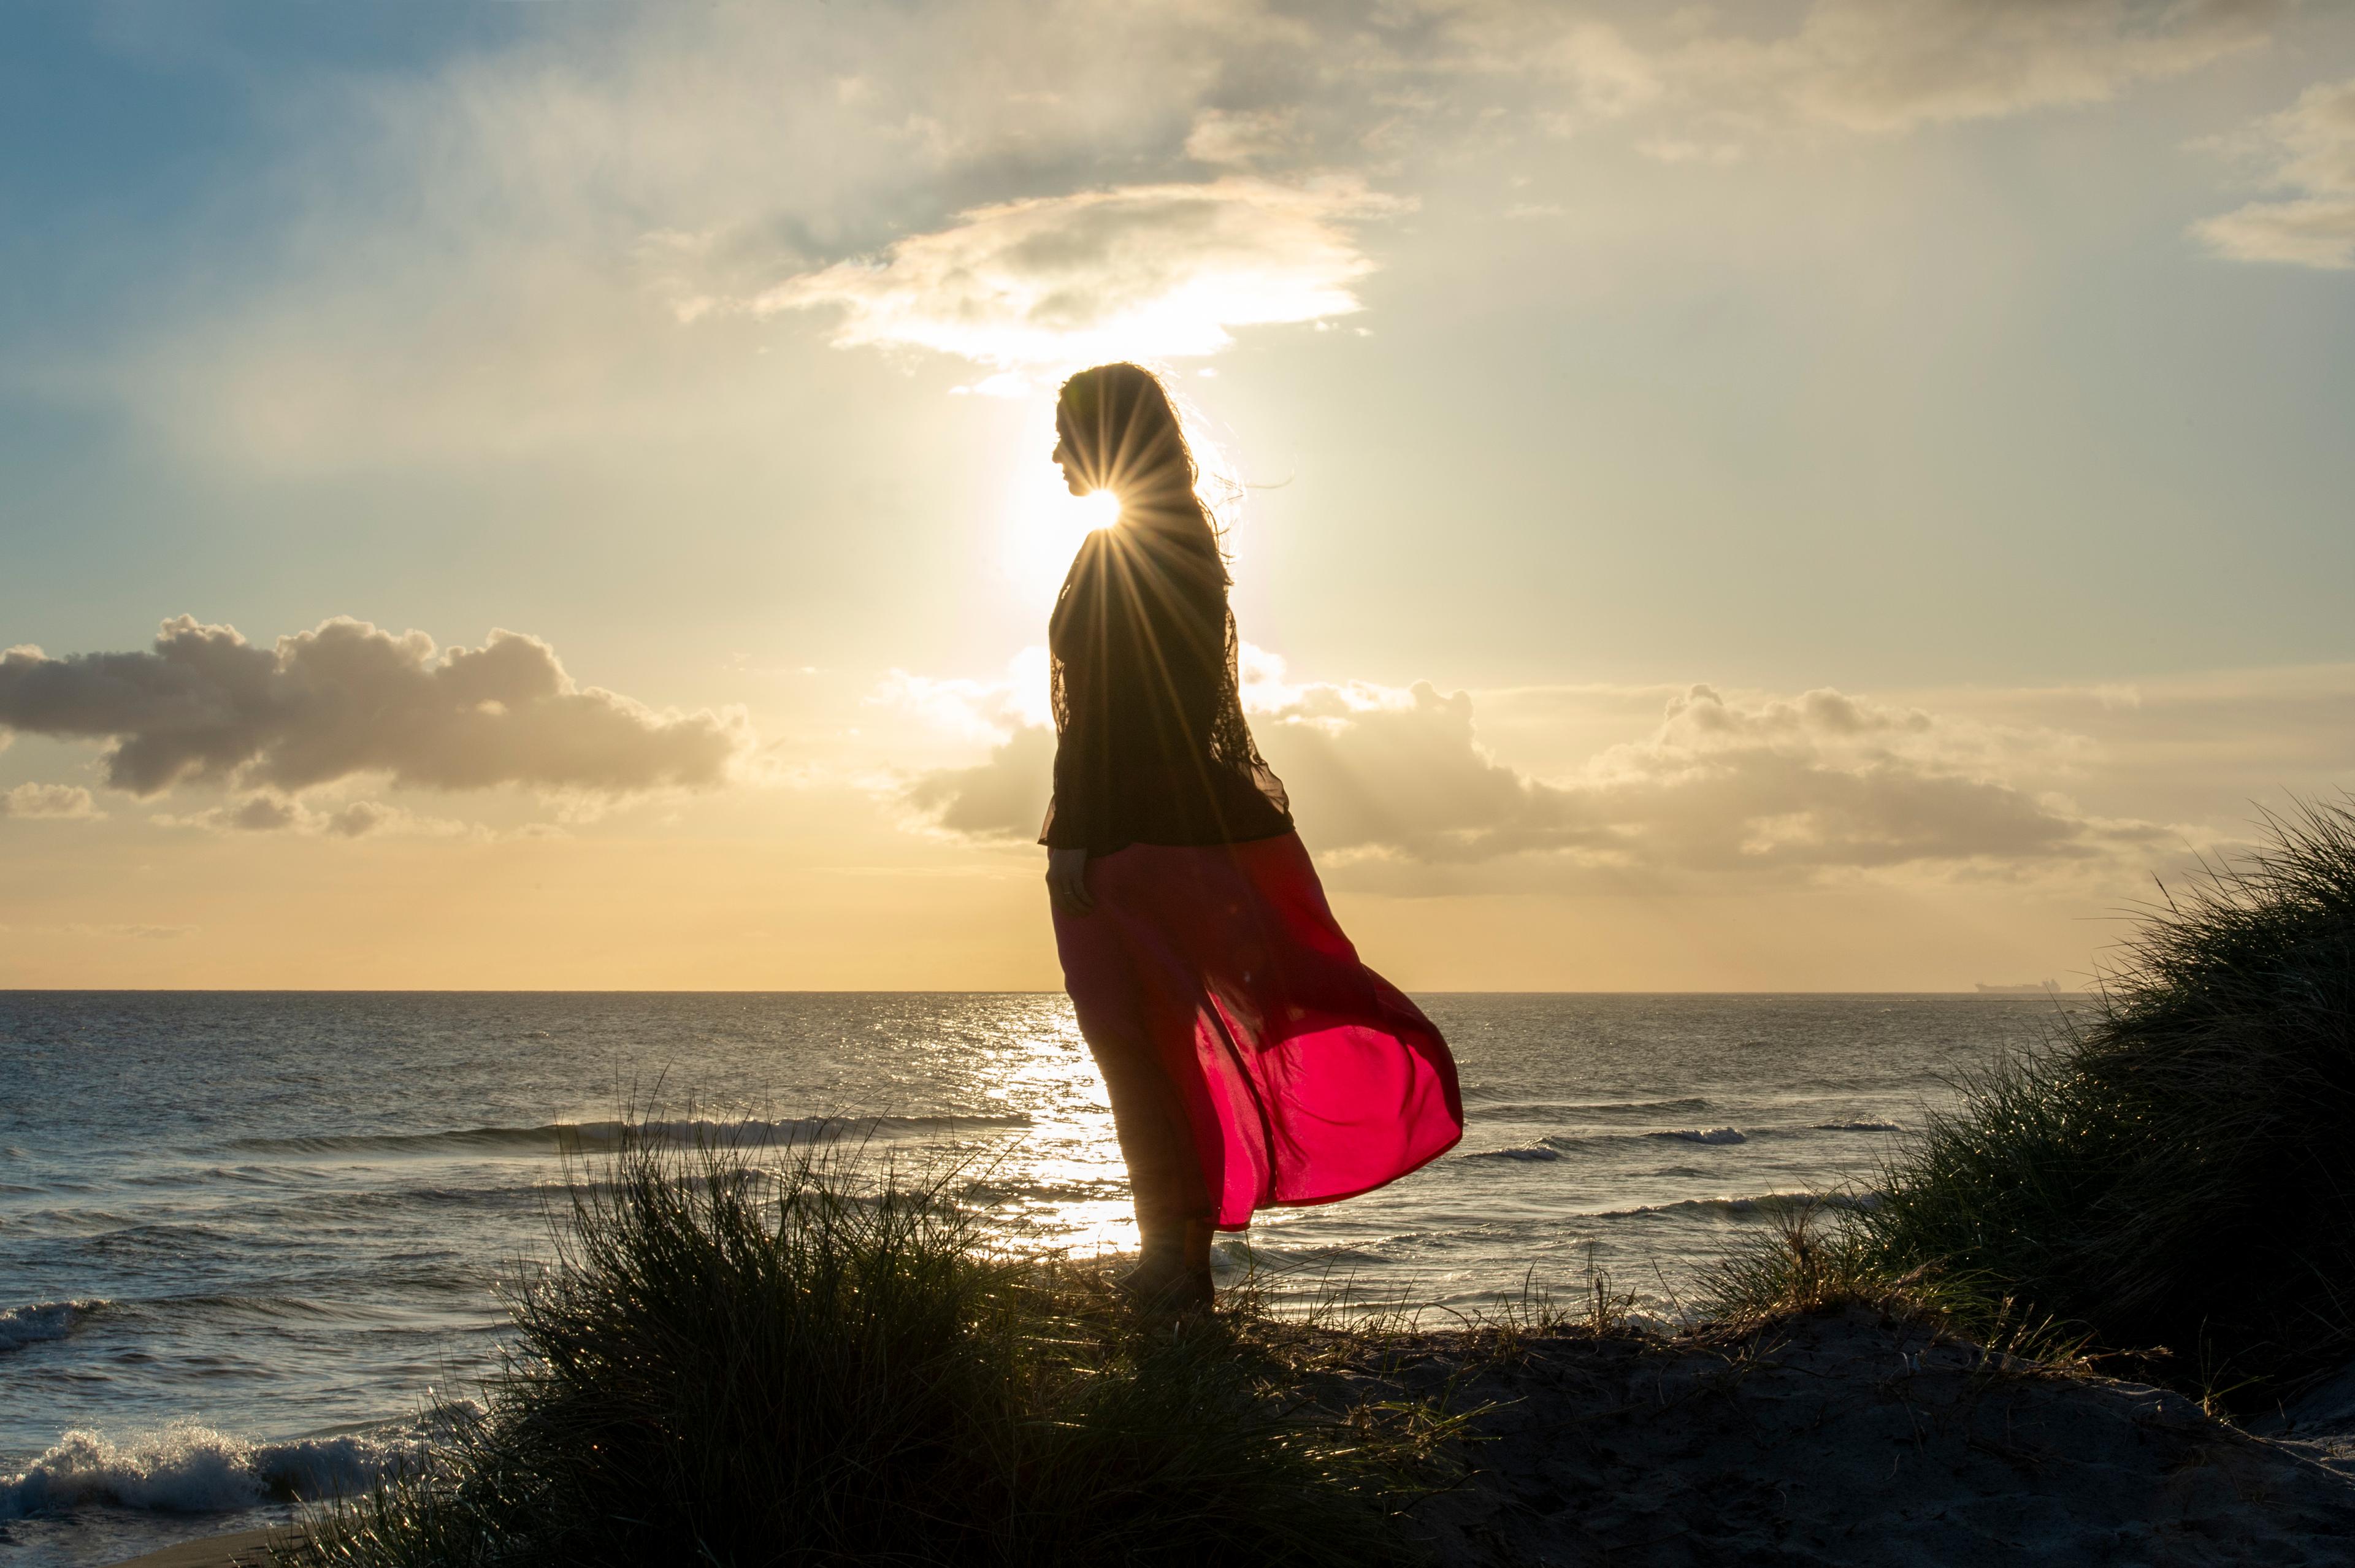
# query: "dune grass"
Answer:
x=803 y=1361
x=2172 y=1183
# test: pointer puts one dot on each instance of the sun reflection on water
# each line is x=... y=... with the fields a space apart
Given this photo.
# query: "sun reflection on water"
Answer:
x=1058 y=1184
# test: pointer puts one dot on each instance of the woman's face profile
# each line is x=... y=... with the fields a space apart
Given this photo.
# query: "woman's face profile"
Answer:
x=1076 y=478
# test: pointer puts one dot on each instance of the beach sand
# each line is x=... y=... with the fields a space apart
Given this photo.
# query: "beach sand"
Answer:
x=1853 y=1438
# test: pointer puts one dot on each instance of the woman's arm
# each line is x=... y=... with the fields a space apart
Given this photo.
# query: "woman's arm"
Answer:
x=1067 y=881
x=1077 y=652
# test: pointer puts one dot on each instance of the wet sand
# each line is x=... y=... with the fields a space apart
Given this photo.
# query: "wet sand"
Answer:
x=239 y=1549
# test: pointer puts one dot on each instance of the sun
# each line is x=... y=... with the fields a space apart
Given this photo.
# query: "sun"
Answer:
x=1045 y=526
x=1096 y=509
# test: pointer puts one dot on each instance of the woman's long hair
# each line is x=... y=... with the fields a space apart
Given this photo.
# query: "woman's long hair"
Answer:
x=1121 y=426
x=1168 y=575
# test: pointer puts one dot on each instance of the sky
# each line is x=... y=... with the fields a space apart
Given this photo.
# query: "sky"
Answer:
x=1850 y=495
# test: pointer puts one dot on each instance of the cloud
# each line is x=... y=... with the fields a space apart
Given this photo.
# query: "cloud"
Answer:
x=1240 y=138
x=1138 y=271
x=1816 y=785
x=1004 y=796
x=543 y=244
x=2312 y=146
x=525 y=245
x=346 y=698
x=1873 y=67
x=973 y=708
x=1893 y=65
x=281 y=813
x=1819 y=783
x=48 y=800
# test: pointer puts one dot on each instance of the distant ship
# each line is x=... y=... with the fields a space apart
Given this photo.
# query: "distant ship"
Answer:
x=2046 y=988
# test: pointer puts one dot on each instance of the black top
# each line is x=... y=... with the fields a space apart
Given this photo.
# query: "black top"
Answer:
x=1151 y=744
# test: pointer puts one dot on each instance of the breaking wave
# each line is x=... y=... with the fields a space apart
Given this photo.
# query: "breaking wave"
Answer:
x=189 y=1468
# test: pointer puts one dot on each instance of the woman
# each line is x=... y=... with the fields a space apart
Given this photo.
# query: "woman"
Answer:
x=1251 y=1059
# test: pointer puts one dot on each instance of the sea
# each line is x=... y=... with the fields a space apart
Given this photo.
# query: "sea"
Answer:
x=251 y=1243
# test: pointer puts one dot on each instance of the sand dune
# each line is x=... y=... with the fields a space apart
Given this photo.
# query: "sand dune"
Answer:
x=1856 y=1439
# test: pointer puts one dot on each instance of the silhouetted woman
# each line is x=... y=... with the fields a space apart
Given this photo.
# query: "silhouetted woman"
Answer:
x=1251 y=1059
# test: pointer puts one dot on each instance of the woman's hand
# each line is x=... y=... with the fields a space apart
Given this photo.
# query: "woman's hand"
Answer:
x=1067 y=881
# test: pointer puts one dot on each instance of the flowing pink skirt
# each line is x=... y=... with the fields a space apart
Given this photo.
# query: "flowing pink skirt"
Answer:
x=1305 y=1077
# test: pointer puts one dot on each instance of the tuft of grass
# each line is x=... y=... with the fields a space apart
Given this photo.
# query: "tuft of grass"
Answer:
x=734 y=1364
x=2172 y=1183
x=1805 y=1265
x=1816 y=1260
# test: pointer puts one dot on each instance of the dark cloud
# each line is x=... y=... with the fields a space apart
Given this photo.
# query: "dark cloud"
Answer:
x=1002 y=797
x=346 y=698
x=263 y=814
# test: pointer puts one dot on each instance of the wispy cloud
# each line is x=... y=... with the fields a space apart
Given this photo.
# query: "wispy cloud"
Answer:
x=1702 y=85
x=2311 y=147
x=546 y=244
x=347 y=699
x=1892 y=64
x=1137 y=272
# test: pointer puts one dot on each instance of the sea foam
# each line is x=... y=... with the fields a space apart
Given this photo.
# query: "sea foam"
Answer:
x=189 y=1468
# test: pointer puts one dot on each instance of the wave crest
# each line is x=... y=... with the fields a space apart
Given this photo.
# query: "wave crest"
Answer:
x=23 y=1326
x=190 y=1468
x=1699 y=1136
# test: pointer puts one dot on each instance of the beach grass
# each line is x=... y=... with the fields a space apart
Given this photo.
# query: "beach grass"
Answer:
x=2166 y=1187
x=799 y=1359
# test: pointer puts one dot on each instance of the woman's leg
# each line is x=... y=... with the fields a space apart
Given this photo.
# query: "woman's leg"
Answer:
x=1116 y=1010
x=1164 y=1174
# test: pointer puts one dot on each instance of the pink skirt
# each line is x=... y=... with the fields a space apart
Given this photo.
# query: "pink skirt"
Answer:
x=1305 y=1077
